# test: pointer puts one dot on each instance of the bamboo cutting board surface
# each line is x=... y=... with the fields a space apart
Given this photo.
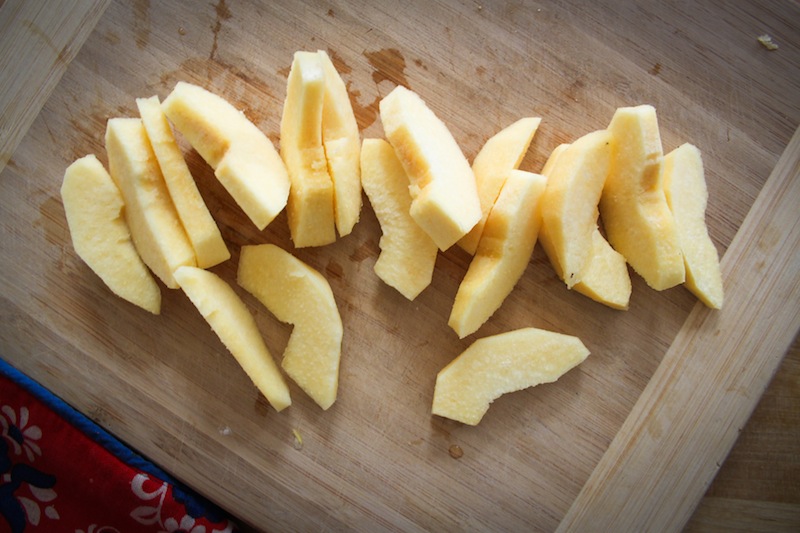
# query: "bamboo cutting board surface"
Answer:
x=646 y=420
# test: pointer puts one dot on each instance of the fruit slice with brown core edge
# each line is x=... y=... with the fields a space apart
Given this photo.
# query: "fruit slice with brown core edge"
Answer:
x=408 y=254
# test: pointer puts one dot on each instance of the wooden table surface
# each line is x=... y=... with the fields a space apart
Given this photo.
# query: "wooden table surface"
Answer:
x=634 y=439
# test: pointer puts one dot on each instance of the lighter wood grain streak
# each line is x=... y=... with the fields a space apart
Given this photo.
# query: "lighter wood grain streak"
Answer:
x=37 y=43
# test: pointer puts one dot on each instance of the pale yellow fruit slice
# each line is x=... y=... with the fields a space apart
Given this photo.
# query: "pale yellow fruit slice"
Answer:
x=342 y=144
x=501 y=154
x=604 y=277
x=311 y=200
x=100 y=235
x=298 y=294
x=503 y=252
x=156 y=230
x=244 y=160
x=569 y=205
x=200 y=227
x=687 y=195
x=508 y=362
x=408 y=254
x=636 y=217
x=235 y=326
x=443 y=191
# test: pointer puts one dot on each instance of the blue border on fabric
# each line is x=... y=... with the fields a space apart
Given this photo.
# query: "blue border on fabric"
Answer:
x=91 y=429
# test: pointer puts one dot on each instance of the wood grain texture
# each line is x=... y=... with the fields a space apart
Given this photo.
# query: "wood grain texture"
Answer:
x=377 y=460
x=732 y=515
x=37 y=43
x=637 y=486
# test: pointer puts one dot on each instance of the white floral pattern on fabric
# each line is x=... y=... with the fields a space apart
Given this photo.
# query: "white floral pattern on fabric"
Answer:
x=94 y=528
x=186 y=525
x=19 y=434
x=152 y=514
x=22 y=437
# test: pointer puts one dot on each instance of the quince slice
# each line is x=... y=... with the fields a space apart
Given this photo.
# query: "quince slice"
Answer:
x=497 y=158
x=342 y=143
x=443 y=191
x=408 y=254
x=311 y=199
x=298 y=294
x=100 y=235
x=504 y=251
x=508 y=362
x=156 y=230
x=200 y=227
x=687 y=195
x=235 y=326
x=244 y=160
x=633 y=206
x=604 y=274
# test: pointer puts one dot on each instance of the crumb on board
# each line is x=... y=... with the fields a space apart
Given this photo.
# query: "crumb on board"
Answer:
x=225 y=431
x=298 y=439
x=767 y=42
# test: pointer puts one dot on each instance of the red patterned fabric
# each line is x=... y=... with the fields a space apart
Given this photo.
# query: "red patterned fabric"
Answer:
x=60 y=472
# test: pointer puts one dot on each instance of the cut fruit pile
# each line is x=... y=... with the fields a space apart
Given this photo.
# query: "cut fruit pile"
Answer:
x=605 y=201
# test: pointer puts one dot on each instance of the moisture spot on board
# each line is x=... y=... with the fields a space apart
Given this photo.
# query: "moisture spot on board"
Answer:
x=331 y=14
x=339 y=63
x=222 y=13
x=388 y=65
x=455 y=451
x=656 y=69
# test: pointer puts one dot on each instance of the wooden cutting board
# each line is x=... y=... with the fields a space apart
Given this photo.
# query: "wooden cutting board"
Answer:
x=629 y=440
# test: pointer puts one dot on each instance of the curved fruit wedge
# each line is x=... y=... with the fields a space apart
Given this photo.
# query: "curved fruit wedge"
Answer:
x=235 y=326
x=298 y=294
x=499 y=364
x=408 y=254
x=569 y=205
x=503 y=252
x=687 y=195
x=200 y=227
x=311 y=199
x=243 y=158
x=100 y=235
x=604 y=276
x=498 y=157
x=444 y=196
x=342 y=143
x=633 y=206
x=156 y=230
